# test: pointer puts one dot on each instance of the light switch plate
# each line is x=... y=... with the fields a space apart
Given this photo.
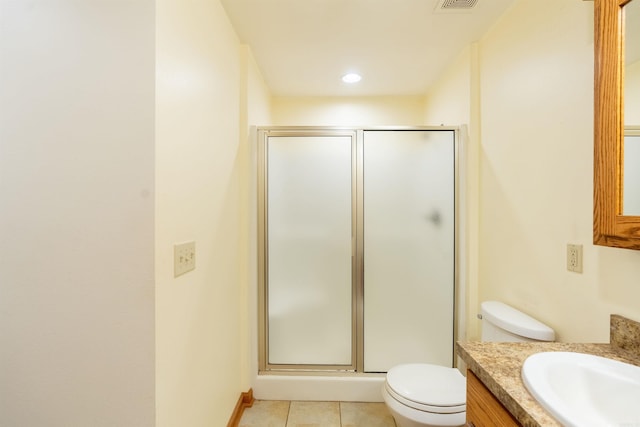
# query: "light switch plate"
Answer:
x=184 y=258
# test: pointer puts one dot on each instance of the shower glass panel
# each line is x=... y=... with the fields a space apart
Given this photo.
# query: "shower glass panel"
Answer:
x=357 y=247
x=409 y=251
x=309 y=183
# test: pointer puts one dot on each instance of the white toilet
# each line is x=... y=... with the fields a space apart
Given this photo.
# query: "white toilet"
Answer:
x=423 y=395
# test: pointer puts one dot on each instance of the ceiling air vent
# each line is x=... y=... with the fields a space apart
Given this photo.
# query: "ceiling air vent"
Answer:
x=455 y=5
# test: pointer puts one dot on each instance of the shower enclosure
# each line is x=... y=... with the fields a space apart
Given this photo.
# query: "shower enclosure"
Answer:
x=357 y=247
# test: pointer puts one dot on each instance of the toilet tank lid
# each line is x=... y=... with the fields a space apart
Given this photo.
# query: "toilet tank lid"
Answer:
x=516 y=322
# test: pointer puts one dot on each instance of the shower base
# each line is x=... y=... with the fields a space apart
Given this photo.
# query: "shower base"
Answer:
x=348 y=388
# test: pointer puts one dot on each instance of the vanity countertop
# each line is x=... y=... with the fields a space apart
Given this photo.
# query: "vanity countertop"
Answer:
x=499 y=365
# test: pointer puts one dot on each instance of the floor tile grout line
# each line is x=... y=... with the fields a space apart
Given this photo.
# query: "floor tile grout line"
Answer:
x=286 y=421
x=290 y=417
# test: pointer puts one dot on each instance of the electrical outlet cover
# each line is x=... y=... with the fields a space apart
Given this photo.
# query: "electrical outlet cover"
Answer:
x=574 y=258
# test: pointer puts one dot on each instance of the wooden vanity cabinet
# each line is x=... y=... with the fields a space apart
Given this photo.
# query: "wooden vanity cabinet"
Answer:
x=483 y=409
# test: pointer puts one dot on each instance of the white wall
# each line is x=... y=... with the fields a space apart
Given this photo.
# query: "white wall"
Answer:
x=198 y=173
x=348 y=111
x=76 y=213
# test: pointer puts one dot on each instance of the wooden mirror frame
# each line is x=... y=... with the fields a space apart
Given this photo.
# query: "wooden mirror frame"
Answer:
x=610 y=226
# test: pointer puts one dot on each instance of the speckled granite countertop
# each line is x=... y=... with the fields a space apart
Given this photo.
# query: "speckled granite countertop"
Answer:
x=498 y=365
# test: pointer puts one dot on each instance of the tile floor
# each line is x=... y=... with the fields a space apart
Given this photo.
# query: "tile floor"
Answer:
x=279 y=413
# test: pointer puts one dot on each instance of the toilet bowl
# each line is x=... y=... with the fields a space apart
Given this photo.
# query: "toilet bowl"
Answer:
x=420 y=395
x=426 y=395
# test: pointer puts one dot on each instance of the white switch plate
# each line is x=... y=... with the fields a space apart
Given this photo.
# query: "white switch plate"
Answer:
x=184 y=258
x=574 y=258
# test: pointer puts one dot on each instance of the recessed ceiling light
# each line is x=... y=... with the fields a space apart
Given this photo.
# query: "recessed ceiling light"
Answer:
x=351 y=78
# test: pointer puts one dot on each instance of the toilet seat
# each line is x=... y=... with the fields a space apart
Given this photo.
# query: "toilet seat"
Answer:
x=429 y=388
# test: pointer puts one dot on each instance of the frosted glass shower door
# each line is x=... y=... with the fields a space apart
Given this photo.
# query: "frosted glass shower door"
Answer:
x=409 y=252
x=309 y=250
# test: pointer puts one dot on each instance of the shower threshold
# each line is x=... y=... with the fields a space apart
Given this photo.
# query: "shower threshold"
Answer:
x=319 y=386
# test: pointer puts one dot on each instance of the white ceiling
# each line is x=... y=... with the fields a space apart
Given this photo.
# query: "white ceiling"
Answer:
x=400 y=47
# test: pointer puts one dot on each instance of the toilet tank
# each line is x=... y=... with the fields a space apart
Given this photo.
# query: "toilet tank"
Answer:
x=503 y=323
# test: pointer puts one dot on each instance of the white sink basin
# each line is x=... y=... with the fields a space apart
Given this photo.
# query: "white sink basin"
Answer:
x=584 y=390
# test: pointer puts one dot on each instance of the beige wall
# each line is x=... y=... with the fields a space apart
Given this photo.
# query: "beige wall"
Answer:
x=209 y=91
x=76 y=213
x=535 y=163
x=632 y=94
x=200 y=341
x=256 y=111
x=348 y=111
x=118 y=144
x=78 y=221
x=449 y=102
x=454 y=100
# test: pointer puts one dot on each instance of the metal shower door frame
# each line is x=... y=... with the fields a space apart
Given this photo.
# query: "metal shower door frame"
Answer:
x=357 y=187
